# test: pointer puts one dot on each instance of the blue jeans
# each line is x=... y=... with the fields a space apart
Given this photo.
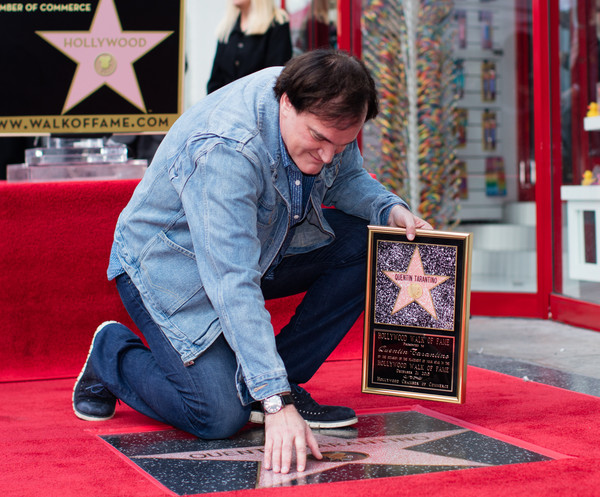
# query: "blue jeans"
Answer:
x=202 y=398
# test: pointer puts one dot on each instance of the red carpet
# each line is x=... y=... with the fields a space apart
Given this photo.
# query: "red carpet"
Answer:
x=53 y=259
x=53 y=286
x=48 y=451
x=53 y=294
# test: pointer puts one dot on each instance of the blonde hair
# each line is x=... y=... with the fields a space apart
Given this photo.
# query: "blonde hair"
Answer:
x=261 y=15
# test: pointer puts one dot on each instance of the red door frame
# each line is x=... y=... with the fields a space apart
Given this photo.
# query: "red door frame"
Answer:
x=525 y=172
x=349 y=28
x=546 y=124
x=579 y=95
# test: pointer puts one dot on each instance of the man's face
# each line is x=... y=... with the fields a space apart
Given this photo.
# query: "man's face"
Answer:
x=310 y=141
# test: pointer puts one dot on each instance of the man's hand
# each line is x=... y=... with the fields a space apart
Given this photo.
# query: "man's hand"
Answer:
x=286 y=431
x=401 y=217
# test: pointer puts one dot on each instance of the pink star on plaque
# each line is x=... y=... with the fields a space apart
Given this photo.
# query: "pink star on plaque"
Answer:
x=104 y=55
x=415 y=285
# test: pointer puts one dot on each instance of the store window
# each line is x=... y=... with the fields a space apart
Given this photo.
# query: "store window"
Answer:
x=578 y=271
x=313 y=24
x=454 y=136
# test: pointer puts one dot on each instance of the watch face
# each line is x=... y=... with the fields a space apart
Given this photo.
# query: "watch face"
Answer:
x=273 y=404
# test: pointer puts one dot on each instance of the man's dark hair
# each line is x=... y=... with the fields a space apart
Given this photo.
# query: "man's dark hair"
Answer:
x=331 y=84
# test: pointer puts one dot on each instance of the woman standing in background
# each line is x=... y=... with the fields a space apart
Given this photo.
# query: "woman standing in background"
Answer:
x=253 y=35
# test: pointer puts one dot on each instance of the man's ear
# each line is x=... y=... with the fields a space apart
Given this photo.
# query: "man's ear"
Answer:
x=284 y=103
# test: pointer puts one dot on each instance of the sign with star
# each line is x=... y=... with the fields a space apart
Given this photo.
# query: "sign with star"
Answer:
x=93 y=67
x=416 y=314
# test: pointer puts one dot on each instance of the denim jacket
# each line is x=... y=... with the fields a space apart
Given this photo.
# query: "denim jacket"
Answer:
x=209 y=217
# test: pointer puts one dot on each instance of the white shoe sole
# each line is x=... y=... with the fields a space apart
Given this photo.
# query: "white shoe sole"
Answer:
x=80 y=415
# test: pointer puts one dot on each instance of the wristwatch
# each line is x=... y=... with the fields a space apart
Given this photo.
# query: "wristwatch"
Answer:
x=275 y=403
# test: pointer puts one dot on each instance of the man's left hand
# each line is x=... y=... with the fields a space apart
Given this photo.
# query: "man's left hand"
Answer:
x=401 y=217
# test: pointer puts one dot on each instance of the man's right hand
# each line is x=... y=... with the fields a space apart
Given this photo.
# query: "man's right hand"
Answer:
x=286 y=431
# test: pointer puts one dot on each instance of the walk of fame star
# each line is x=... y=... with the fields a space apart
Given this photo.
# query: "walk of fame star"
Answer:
x=381 y=450
x=383 y=445
x=415 y=285
x=104 y=55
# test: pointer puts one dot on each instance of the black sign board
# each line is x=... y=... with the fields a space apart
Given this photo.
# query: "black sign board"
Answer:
x=92 y=67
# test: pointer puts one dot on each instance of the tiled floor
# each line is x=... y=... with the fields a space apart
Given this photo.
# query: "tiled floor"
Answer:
x=537 y=350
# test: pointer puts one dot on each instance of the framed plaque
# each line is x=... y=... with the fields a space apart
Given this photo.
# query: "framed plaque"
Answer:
x=417 y=314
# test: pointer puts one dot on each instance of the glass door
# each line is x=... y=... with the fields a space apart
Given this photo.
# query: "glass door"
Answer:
x=575 y=26
x=313 y=24
x=455 y=136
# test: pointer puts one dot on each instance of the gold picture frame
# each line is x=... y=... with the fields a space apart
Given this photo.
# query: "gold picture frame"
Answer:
x=417 y=314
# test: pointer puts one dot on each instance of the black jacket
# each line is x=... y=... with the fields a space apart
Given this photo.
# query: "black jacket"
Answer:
x=243 y=55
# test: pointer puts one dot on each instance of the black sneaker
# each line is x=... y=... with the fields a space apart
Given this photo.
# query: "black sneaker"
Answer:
x=91 y=400
x=316 y=415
